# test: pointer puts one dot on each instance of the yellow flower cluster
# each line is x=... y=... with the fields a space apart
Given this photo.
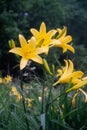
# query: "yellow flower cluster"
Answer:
x=1 y=80
x=6 y=79
x=29 y=101
x=15 y=92
x=40 y=42
x=67 y=74
x=75 y=95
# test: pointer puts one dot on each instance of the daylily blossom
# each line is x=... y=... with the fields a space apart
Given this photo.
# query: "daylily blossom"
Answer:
x=67 y=74
x=75 y=95
x=78 y=85
x=8 y=78
x=74 y=99
x=85 y=94
x=15 y=92
x=28 y=51
x=63 y=39
x=1 y=80
x=29 y=101
x=43 y=38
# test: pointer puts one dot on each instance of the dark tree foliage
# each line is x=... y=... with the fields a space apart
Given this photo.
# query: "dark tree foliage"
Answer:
x=18 y=16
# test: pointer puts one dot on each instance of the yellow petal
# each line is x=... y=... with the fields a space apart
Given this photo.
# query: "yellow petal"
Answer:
x=36 y=58
x=60 y=72
x=70 y=66
x=72 y=77
x=51 y=33
x=63 y=45
x=23 y=63
x=16 y=50
x=77 y=74
x=64 y=49
x=66 y=67
x=85 y=94
x=41 y=50
x=66 y=39
x=43 y=28
x=62 y=32
x=59 y=30
x=75 y=80
x=84 y=78
x=78 y=85
x=22 y=40
x=32 y=44
x=34 y=32
x=69 y=47
x=74 y=99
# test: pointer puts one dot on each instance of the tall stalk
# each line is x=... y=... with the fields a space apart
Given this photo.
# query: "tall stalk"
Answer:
x=23 y=99
x=42 y=127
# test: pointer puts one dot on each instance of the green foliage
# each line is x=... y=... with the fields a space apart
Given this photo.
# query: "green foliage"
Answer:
x=60 y=113
x=81 y=57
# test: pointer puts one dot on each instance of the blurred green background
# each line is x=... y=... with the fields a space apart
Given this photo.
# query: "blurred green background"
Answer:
x=18 y=16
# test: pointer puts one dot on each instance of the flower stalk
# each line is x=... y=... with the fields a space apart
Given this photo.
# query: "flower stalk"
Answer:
x=23 y=99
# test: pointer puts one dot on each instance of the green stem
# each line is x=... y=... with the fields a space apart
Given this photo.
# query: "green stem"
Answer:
x=23 y=99
x=42 y=127
x=42 y=100
x=55 y=99
x=47 y=104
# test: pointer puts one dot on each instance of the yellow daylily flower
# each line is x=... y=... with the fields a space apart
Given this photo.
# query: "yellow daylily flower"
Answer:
x=43 y=38
x=15 y=92
x=28 y=51
x=63 y=39
x=79 y=85
x=68 y=74
x=1 y=80
x=8 y=78
x=75 y=95
x=74 y=99
x=84 y=93
x=29 y=101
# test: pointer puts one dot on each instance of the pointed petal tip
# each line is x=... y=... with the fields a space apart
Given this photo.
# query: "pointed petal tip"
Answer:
x=23 y=63
x=20 y=35
x=43 y=22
